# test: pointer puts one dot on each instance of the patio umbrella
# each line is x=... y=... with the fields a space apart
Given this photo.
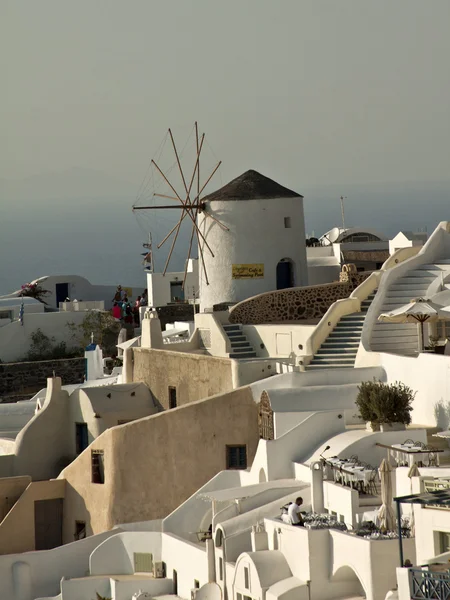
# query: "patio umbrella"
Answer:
x=420 y=311
x=386 y=514
x=413 y=472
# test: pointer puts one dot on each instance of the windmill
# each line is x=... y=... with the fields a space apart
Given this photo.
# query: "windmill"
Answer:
x=189 y=202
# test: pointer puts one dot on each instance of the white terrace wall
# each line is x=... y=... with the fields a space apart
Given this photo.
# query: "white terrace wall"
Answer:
x=189 y=560
x=15 y=338
x=279 y=341
x=35 y=574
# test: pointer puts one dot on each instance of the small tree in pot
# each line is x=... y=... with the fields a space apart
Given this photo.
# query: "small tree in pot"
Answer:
x=388 y=405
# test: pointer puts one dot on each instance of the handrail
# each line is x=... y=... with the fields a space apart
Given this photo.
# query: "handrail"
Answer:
x=341 y=308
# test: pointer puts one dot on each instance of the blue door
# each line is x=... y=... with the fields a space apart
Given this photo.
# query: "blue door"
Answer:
x=284 y=275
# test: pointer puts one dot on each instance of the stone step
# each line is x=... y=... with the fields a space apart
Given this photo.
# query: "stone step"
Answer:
x=237 y=336
x=240 y=344
x=232 y=327
x=243 y=355
x=322 y=351
x=336 y=335
x=332 y=359
x=339 y=344
x=314 y=367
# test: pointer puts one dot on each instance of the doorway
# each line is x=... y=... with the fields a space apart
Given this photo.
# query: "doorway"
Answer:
x=62 y=292
x=81 y=437
x=285 y=274
x=176 y=291
x=48 y=523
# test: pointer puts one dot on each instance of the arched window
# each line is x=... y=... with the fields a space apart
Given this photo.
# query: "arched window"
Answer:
x=265 y=418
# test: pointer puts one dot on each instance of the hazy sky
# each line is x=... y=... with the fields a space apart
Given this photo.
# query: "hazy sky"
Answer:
x=312 y=91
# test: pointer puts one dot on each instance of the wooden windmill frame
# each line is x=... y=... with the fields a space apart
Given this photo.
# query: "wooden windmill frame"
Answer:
x=190 y=206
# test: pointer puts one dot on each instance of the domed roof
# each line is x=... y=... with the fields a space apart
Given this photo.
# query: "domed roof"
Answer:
x=251 y=185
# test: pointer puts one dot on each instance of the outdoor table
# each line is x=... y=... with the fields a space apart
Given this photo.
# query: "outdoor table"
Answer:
x=408 y=453
x=350 y=472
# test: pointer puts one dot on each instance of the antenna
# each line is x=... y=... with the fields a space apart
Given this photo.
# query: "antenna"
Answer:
x=342 y=210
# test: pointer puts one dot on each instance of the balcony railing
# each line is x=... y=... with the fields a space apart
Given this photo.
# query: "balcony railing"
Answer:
x=428 y=585
x=434 y=485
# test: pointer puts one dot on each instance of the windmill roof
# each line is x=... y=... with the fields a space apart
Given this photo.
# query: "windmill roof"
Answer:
x=251 y=185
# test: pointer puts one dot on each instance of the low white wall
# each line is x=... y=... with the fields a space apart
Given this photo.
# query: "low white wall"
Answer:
x=114 y=556
x=41 y=572
x=279 y=341
x=15 y=338
x=249 y=371
x=342 y=500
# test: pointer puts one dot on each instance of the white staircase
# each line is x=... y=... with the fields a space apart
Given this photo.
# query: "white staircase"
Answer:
x=403 y=337
x=240 y=346
x=341 y=346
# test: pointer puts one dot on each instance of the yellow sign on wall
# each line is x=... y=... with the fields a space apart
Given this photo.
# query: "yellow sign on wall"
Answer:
x=247 y=271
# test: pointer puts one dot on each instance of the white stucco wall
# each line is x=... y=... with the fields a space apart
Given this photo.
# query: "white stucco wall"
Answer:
x=15 y=338
x=158 y=285
x=429 y=376
x=256 y=235
x=280 y=341
x=39 y=573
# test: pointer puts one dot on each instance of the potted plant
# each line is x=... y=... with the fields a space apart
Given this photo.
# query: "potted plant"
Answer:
x=385 y=406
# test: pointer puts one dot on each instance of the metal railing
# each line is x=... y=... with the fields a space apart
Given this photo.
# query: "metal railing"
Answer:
x=428 y=585
x=434 y=485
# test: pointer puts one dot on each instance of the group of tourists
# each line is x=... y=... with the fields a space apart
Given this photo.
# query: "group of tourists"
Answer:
x=124 y=309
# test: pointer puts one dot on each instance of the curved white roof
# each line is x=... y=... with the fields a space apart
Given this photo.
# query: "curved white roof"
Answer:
x=271 y=566
x=337 y=234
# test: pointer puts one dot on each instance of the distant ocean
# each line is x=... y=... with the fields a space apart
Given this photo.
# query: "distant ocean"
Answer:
x=101 y=239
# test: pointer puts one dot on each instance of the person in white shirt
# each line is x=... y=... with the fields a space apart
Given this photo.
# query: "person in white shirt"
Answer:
x=294 y=514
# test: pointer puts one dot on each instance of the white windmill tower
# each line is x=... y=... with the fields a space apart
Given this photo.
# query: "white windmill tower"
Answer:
x=263 y=246
x=250 y=233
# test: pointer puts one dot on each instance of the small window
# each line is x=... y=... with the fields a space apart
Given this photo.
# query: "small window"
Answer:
x=196 y=584
x=221 y=569
x=98 y=467
x=444 y=541
x=246 y=578
x=80 y=530
x=236 y=457
x=287 y=222
x=172 y=397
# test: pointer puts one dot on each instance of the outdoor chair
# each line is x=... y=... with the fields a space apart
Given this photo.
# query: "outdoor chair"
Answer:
x=419 y=445
x=372 y=484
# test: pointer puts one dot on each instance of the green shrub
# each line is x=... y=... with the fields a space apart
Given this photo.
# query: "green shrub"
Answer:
x=385 y=402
